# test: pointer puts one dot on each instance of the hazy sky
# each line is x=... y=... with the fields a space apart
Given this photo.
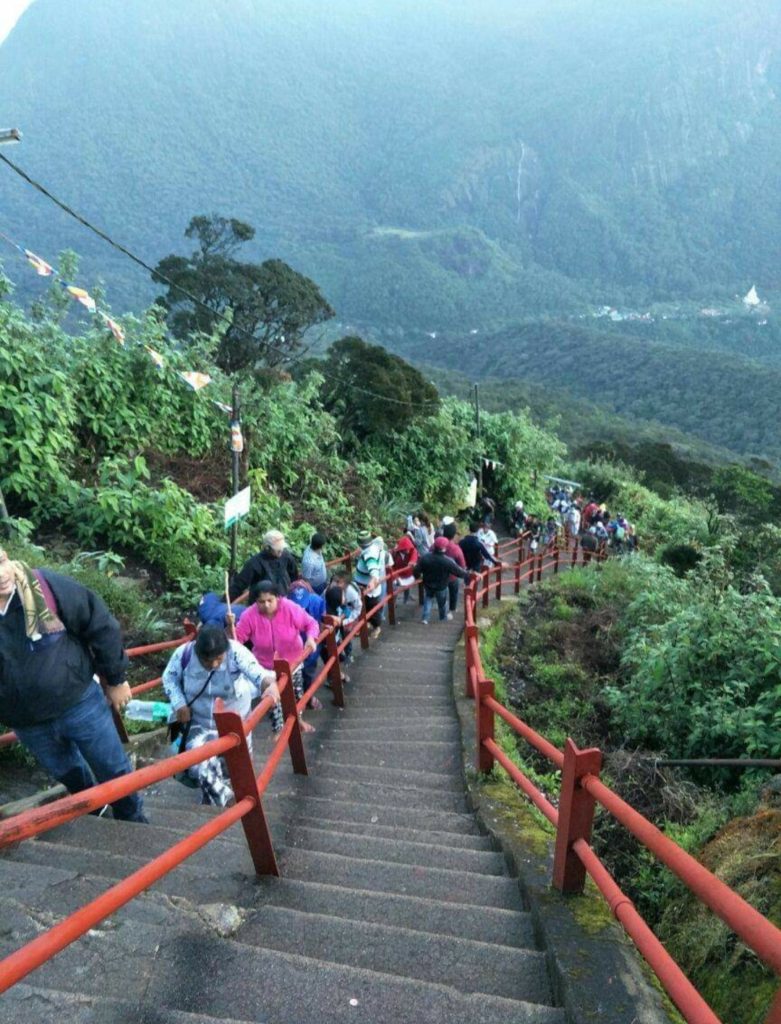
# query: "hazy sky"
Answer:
x=9 y=14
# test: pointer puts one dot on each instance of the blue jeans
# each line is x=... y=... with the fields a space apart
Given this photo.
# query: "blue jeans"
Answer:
x=80 y=746
x=441 y=597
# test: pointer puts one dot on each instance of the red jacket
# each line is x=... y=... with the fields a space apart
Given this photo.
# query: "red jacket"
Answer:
x=454 y=551
x=589 y=512
x=405 y=554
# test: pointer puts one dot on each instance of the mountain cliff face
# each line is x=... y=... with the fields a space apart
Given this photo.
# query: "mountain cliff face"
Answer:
x=430 y=165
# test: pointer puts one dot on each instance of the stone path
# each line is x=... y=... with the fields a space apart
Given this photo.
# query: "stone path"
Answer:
x=392 y=905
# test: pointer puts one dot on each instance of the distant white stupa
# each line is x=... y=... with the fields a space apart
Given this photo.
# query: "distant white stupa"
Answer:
x=752 y=299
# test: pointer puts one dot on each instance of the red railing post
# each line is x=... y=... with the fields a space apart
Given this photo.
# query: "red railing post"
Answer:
x=390 y=584
x=556 y=560
x=119 y=723
x=576 y=815
x=348 y=561
x=470 y=633
x=484 y=718
x=244 y=784
x=539 y=565
x=364 y=634
x=332 y=650
x=296 y=744
x=499 y=570
x=485 y=578
x=774 y=1015
x=518 y=564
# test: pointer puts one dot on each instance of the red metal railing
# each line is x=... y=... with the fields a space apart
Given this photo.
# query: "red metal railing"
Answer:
x=581 y=789
x=248 y=788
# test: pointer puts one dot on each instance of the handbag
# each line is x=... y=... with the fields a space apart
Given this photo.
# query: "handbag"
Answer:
x=179 y=732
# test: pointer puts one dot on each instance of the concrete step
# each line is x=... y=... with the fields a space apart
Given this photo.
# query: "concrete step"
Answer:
x=201 y=975
x=404 y=879
x=374 y=793
x=190 y=880
x=30 y=1004
x=387 y=775
x=491 y=924
x=420 y=639
x=394 y=722
x=441 y=713
x=413 y=642
x=437 y=756
x=397 y=663
x=48 y=893
x=184 y=821
x=115 y=956
x=370 y=682
x=445 y=729
x=419 y=703
x=397 y=851
x=329 y=807
x=466 y=965
x=148 y=841
x=453 y=840
x=407 y=676
x=170 y=791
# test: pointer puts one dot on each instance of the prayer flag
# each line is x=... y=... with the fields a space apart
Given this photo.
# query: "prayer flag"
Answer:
x=81 y=296
x=195 y=380
x=114 y=327
x=224 y=408
x=157 y=359
x=40 y=266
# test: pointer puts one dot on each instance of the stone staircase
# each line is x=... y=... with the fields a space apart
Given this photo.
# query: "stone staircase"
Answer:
x=393 y=906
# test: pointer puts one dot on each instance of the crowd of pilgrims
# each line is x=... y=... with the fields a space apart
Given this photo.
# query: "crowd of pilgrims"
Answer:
x=274 y=611
x=278 y=603
x=574 y=517
x=277 y=609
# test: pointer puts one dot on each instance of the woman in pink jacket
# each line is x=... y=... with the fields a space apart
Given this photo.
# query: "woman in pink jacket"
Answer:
x=274 y=627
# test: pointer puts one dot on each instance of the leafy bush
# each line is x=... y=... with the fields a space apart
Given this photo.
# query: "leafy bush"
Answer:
x=709 y=654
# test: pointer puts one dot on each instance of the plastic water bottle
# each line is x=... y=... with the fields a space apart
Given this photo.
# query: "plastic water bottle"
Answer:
x=148 y=710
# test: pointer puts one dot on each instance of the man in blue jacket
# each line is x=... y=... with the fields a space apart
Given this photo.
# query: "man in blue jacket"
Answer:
x=55 y=636
x=301 y=593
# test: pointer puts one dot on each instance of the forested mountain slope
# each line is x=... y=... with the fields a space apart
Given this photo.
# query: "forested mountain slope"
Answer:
x=426 y=164
x=726 y=401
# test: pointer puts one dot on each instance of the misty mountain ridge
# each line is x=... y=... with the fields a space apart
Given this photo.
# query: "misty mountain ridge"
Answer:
x=429 y=166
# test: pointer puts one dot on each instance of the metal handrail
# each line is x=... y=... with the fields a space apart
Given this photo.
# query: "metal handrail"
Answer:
x=581 y=786
x=580 y=789
x=248 y=788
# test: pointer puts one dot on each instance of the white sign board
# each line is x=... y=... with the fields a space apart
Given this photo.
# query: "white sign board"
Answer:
x=237 y=507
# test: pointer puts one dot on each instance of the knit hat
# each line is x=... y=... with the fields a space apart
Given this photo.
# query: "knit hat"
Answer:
x=364 y=538
x=440 y=544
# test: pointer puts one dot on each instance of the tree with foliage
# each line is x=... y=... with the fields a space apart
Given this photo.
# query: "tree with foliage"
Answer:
x=357 y=373
x=737 y=489
x=261 y=311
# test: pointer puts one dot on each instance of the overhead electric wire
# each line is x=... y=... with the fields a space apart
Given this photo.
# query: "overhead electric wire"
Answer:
x=182 y=291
